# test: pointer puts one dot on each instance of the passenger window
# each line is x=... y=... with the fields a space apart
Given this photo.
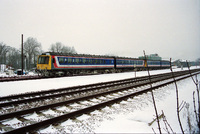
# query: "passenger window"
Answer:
x=98 y=61
x=61 y=60
x=80 y=61
x=90 y=61
x=87 y=61
x=84 y=61
x=76 y=60
x=65 y=60
x=69 y=60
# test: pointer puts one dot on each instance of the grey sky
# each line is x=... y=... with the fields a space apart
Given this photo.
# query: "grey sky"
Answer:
x=170 y=28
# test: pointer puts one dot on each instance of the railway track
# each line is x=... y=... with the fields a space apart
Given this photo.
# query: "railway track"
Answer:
x=54 y=106
x=35 y=77
x=19 y=78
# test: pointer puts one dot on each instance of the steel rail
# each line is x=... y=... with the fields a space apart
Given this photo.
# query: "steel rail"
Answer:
x=19 y=113
x=59 y=92
x=51 y=91
x=45 y=123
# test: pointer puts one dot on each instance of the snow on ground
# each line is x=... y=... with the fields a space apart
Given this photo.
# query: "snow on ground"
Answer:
x=127 y=117
x=16 y=87
x=137 y=121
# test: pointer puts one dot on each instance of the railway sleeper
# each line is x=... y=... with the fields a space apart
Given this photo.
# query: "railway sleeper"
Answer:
x=107 y=103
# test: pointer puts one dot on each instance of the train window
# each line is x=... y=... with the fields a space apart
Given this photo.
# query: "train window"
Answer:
x=65 y=60
x=84 y=61
x=90 y=61
x=69 y=60
x=149 y=62
x=131 y=62
x=93 y=61
x=73 y=60
x=80 y=61
x=76 y=61
x=96 y=61
x=87 y=61
x=101 y=61
x=61 y=60
x=140 y=62
x=43 y=60
x=118 y=61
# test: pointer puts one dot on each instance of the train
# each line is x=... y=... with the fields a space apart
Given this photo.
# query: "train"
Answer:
x=53 y=64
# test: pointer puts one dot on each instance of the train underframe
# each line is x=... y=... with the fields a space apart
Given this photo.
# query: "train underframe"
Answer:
x=71 y=72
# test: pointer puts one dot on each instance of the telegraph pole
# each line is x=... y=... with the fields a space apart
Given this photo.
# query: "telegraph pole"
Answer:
x=22 y=56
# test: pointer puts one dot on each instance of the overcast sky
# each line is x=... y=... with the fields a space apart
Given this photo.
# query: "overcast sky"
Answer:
x=170 y=28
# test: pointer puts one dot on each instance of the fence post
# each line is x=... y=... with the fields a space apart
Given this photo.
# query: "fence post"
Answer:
x=22 y=55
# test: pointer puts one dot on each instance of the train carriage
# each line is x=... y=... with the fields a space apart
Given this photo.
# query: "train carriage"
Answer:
x=165 y=64
x=129 y=63
x=64 y=64
x=74 y=62
x=50 y=64
x=154 y=64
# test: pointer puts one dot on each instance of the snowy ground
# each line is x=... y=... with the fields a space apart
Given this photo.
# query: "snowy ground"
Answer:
x=130 y=116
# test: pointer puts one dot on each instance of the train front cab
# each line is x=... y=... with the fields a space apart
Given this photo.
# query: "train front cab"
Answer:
x=44 y=64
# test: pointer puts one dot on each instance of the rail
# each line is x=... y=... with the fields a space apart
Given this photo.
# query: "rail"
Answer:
x=107 y=94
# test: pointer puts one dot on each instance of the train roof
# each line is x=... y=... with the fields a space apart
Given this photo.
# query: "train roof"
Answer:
x=90 y=55
x=84 y=55
x=78 y=55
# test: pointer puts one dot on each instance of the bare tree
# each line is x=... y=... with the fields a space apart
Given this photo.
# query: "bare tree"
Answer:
x=4 y=49
x=178 y=107
x=31 y=48
x=13 y=58
x=60 y=48
x=197 y=112
x=154 y=102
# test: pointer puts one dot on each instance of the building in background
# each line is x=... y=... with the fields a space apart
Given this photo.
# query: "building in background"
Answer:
x=151 y=57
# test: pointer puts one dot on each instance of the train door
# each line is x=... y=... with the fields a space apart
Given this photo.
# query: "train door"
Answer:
x=114 y=62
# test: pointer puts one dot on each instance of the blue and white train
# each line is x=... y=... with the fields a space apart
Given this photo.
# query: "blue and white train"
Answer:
x=51 y=64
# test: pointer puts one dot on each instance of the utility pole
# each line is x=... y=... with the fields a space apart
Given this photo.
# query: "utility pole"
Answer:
x=22 y=56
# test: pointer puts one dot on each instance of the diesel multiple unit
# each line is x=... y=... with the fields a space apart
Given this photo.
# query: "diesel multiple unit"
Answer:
x=51 y=64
